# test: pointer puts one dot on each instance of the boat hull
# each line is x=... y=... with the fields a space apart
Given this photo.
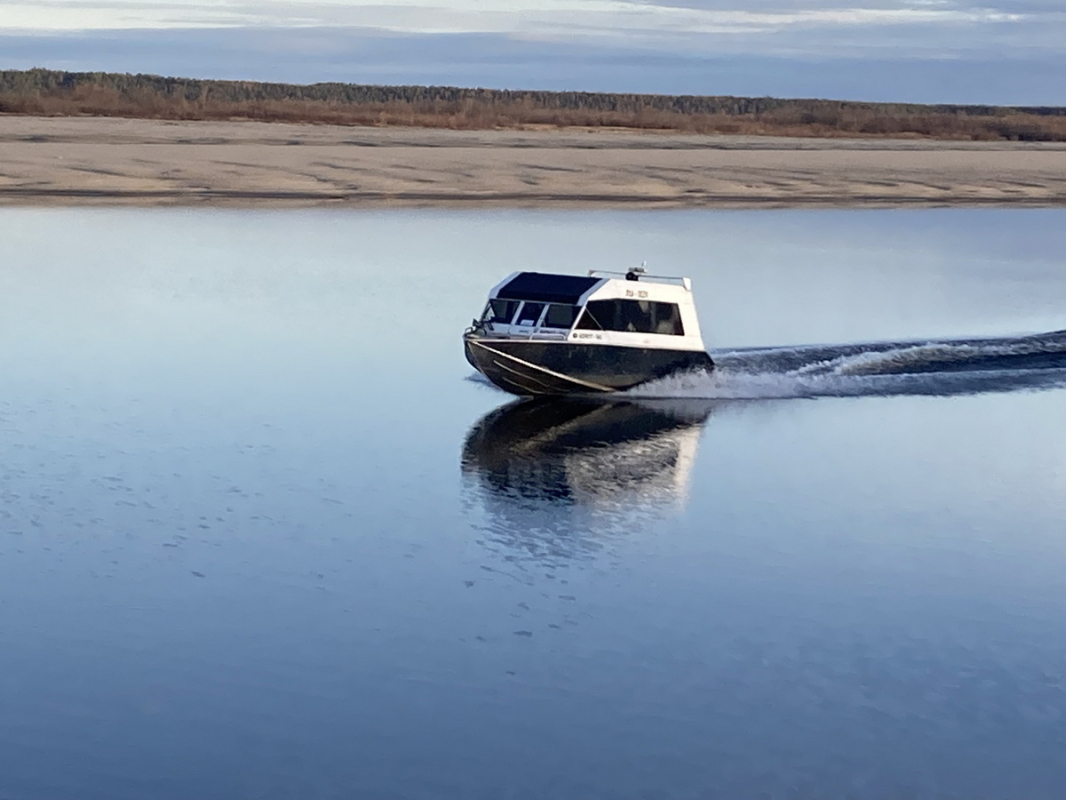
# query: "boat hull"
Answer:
x=541 y=368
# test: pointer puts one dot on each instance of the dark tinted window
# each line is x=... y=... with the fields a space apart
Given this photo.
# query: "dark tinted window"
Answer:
x=587 y=322
x=560 y=316
x=600 y=315
x=529 y=314
x=666 y=319
x=501 y=311
x=633 y=316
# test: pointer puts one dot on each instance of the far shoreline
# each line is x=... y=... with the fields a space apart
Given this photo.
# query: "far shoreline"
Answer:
x=108 y=161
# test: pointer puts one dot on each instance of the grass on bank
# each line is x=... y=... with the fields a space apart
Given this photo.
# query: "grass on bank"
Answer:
x=54 y=93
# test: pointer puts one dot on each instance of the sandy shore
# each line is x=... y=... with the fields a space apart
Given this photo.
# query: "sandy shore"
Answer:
x=145 y=162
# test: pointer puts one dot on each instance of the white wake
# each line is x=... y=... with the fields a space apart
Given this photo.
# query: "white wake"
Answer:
x=930 y=368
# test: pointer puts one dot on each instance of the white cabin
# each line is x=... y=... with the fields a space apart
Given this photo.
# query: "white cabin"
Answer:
x=610 y=308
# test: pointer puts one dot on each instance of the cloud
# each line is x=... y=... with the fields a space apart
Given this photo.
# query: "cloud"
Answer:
x=840 y=28
x=309 y=55
x=515 y=16
x=572 y=43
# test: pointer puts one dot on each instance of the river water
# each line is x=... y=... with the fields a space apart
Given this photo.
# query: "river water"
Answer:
x=264 y=535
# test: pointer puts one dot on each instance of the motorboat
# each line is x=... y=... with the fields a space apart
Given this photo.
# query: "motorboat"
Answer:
x=556 y=334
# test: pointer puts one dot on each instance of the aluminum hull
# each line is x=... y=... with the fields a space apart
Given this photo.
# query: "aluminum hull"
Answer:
x=528 y=367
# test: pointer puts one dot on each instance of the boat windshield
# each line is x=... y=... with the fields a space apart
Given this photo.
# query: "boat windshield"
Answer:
x=558 y=316
x=500 y=311
x=529 y=314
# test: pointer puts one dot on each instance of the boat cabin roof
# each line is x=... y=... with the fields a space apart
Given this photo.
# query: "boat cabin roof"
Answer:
x=546 y=288
x=573 y=289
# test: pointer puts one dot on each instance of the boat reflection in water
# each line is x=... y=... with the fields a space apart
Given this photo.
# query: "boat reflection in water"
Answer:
x=558 y=477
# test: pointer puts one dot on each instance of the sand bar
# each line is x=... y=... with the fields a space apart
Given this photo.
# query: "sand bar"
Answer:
x=106 y=161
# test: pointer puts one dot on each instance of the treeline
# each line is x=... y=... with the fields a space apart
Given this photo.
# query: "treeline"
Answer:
x=50 y=92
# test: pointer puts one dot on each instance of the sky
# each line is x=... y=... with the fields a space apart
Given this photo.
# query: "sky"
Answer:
x=951 y=51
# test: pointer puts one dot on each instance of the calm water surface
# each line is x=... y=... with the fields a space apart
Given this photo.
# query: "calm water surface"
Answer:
x=263 y=536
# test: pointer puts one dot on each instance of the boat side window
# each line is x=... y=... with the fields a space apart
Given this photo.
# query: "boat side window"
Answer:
x=588 y=321
x=637 y=316
x=666 y=319
x=501 y=311
x=529 y=314
x=632 y=316
x=560 y=316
